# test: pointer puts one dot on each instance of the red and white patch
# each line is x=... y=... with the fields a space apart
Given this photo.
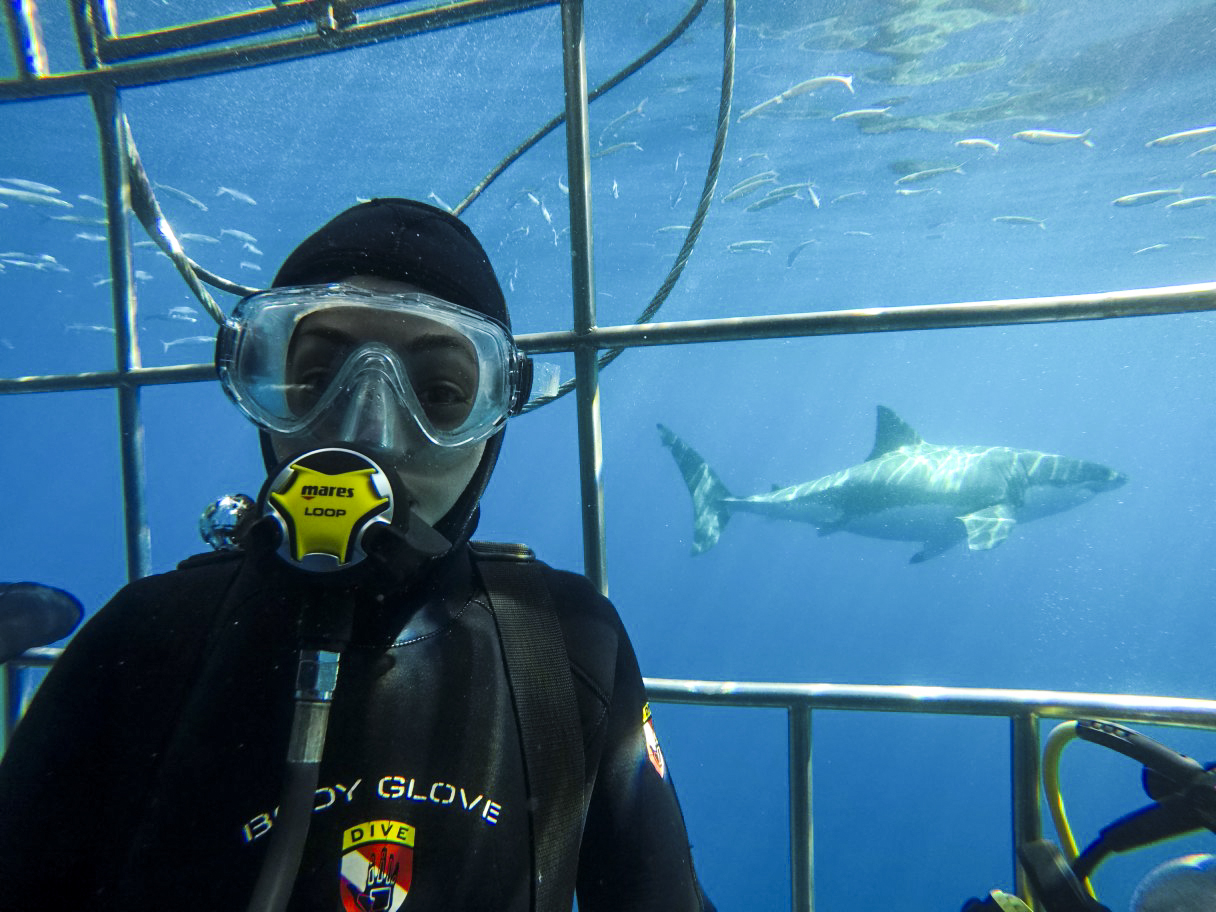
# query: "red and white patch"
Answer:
x=653 y=751
x=377 y=866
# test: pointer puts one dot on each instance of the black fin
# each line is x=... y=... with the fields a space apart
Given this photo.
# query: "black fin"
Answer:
x=891 y=434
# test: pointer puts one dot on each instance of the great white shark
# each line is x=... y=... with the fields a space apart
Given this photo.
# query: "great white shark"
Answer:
x=907 y=490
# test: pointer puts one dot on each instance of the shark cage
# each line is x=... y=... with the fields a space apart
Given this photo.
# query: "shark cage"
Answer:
x=731 y=96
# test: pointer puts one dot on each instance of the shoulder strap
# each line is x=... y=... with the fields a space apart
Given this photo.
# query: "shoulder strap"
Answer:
x=542 y=690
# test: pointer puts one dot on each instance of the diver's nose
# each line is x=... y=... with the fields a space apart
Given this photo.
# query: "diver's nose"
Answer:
x=373 y=417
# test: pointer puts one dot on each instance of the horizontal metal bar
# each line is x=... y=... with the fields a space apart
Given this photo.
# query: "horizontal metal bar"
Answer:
x=1171 y=299
x=111 y=379
x=1148 y=302
x=248 y=56
x=233 y=27
x=968 y=701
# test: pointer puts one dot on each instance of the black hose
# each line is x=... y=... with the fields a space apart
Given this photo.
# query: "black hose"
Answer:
x=707 y=195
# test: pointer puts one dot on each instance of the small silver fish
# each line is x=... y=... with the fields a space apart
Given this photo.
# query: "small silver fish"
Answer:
x=236 y=195
x=929 y=173
x=858 y=234
x=189 y=340
x=1192 y=202
x=751 y=247
x=87 y=236
x=183 y=195
x=80 y=219
x=789 y=260
x=34 y=199
x=856 y=194
x=746 y=189
x=251 y=248
x=1020 y=220
x=434 y=197
x=1172 y=139
x=32 y=186
x=239 y=235
x=979 y=144
x=1148 y=196
x=916 y=191
x=1052 y=137
x=1150 y=249
x=1206 y=150
x=253 y=267
x=200 y=238
x=616 y=147
x=91 y=199
x=89 y=328
x=818 y=83
x=862 y=114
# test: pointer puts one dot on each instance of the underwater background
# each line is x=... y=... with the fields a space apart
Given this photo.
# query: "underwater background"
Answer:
x=911 y=811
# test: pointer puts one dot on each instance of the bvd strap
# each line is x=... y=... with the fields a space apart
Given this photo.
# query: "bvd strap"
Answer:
x=542 y=690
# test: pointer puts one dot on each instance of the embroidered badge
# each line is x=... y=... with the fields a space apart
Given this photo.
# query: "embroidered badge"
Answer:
x=377 y=866
x=652 y=743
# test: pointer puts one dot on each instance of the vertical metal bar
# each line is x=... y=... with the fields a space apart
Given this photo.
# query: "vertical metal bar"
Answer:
x=113 y=135
x=1024 y=776
x=587 y=391
x=25 y=32
x=802 y=834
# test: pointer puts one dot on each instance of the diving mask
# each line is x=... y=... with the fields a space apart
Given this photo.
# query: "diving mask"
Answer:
x=337 y=358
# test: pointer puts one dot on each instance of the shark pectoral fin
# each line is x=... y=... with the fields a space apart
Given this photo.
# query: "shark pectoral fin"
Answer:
x=988 y=527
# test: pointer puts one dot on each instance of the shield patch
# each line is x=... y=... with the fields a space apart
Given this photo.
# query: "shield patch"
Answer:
x=653 y=751
x=377 y=866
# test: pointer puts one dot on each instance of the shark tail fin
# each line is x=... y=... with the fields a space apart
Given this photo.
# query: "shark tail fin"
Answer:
x=709 y=494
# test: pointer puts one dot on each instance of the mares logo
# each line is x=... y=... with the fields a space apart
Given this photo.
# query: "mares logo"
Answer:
x=308 y=492
x=377 y=866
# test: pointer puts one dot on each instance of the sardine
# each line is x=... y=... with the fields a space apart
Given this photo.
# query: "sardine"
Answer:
x=34 y=199
x=239 y=235
x=1020 y=220
x=183 y=195
x=979 y=144
x=1150 y=249
x=928 y=173
x=789 y=260
x=1052 y=137
x=1148 y=196
x=862 y=113
x=818 y=83
x=1192 y=202
x=616 y=147
x=200 y=238
x=189 y=340
x=751 y=247
x=1172 y=139
x=32 y=186
x=253 y=267
x=236 y=195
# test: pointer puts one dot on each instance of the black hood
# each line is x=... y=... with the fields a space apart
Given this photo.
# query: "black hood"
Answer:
x=407 y=241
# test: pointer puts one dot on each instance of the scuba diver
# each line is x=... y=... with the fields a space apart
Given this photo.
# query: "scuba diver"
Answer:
x=354 y=707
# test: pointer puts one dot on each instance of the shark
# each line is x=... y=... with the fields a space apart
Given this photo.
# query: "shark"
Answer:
x=907 y=490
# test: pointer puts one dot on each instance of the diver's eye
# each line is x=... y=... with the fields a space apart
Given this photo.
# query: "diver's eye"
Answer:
x=447 y=403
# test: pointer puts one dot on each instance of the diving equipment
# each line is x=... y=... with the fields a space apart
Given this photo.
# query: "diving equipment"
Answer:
x=1184 y=799
x=355 y=365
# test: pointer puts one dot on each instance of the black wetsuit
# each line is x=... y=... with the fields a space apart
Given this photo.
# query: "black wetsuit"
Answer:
x=147 y=770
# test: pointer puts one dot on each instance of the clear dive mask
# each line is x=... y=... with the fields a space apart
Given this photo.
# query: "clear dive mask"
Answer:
x=351 y=364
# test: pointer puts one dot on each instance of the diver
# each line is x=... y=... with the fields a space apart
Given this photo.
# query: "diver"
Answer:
x=150 y=770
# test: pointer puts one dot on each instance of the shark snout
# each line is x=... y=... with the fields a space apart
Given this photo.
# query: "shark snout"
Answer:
x=1106 y=480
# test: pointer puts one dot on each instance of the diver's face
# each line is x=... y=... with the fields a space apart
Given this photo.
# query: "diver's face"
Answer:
x=433 y=476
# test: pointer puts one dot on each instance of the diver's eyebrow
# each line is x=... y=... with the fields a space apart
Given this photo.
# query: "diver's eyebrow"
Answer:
x=439 y=341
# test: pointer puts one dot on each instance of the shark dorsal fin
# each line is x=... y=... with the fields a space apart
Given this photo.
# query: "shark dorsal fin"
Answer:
x=891 y=434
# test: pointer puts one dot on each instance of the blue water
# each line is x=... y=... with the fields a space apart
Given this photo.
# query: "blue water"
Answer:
x=911 y=812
